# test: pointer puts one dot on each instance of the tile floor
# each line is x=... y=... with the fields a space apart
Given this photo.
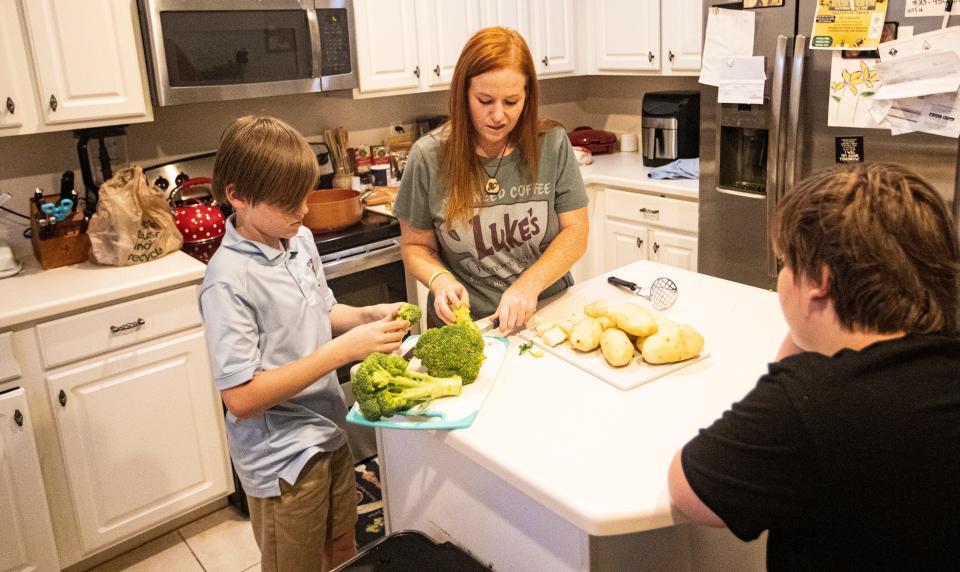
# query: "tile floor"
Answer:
x=219 y=542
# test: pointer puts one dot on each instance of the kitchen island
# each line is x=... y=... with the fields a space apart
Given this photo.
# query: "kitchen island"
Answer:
x=562 y=471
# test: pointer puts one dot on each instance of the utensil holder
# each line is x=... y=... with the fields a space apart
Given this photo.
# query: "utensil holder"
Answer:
x=68 y=242
x=342 y=180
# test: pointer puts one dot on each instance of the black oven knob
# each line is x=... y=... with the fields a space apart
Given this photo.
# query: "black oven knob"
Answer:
x=162 y=183
x=181 y=178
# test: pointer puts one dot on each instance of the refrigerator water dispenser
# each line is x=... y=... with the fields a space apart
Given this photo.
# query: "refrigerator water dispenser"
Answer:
x=743 y=159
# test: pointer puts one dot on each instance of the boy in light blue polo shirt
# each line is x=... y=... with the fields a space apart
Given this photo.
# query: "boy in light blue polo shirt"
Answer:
x=276 y=336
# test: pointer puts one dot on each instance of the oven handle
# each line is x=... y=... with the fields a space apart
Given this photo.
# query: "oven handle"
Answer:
x=361 y=262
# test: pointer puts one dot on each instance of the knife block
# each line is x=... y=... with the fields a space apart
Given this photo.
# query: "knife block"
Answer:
x=68 y=242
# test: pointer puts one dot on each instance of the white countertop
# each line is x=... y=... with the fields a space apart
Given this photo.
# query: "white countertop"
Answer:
x=37 y=294
x=627 y=170
x=598 y=456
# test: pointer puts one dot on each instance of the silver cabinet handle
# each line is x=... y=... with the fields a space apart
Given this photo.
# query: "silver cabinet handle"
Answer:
x=650 y=56
x=127 y=326
x=10 y=105
x=416 y=71
x=53 y=102
x=436 y=70
x=545 y=60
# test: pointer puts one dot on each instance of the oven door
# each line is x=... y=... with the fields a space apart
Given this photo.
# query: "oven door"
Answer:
x=212 y=50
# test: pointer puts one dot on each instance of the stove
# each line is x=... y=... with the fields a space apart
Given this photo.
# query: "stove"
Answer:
x=372 y=228
x=373 y=233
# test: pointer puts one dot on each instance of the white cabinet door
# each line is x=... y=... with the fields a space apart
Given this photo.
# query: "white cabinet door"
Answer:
x=510 y=14
x=623 y=243
x=446 y=25
x=87 y=59
x=625 y=35
x=18 y=112
x=387 y=44
x=26 y=541
x=682 y=27
x=553 y=33
x=142 y=437
x=674 y=249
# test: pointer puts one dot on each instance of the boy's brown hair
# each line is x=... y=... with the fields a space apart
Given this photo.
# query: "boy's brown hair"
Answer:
x=888 y=240
x=267 y=161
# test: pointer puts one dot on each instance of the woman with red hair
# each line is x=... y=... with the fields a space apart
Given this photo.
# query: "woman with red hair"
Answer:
x=492 y=208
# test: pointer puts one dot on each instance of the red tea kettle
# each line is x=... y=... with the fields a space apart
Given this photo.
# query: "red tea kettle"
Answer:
x=198 y=218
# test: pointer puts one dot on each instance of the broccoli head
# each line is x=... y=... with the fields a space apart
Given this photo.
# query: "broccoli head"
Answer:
x=454 y=349
x=383 y=387
x=410 y=313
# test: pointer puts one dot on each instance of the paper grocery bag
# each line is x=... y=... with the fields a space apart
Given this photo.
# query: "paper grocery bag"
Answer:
x=133 y=222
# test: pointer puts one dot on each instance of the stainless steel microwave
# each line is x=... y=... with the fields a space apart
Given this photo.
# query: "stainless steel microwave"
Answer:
x=213 y=50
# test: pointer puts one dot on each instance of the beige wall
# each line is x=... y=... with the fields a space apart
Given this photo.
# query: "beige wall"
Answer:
x=28 y=161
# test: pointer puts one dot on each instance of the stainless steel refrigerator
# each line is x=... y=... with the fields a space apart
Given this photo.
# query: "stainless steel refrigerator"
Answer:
x=751 y=155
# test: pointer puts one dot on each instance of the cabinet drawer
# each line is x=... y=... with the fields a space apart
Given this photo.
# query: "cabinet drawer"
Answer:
x=117 y=326
x=651 y=209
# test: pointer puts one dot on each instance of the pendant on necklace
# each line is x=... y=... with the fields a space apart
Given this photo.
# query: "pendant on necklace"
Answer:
x=492 y=187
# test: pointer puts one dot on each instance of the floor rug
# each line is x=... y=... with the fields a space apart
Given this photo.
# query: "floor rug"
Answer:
x=370 y=525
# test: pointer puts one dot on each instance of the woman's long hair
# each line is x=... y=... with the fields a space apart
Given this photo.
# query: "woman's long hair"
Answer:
x=461 y=171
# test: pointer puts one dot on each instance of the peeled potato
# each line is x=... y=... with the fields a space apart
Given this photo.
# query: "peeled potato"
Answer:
x=585 y=336
x=633 y=320
x=567 y=325
x=596 y=309
x=616 y=347
x=554 y=336
x=543 y=327
x=672 y=343
x=638 y=342
x=606 y=322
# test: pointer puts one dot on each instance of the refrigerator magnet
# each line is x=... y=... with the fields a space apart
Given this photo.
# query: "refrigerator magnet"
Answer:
x=849 y=149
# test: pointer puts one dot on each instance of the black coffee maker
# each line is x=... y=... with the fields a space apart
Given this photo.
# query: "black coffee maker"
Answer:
x=671 y=127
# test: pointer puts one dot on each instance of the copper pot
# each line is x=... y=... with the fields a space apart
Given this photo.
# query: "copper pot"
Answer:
x=333 y=209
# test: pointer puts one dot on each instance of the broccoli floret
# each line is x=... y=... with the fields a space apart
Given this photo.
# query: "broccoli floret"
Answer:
x=461 y=315
x=383 y=387
x=454 y=349
x=410 y=313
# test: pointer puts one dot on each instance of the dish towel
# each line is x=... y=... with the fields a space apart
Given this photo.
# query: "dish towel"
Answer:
x=679 y=169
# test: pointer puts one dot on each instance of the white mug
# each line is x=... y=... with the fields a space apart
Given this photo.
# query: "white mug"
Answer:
x=628 y=142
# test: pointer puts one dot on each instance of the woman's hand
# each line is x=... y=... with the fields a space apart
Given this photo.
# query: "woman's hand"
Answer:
x=517 y=306
x=383 y=335
x=447 y=293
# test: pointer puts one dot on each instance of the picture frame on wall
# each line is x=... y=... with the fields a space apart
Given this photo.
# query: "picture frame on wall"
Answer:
x=750 y=4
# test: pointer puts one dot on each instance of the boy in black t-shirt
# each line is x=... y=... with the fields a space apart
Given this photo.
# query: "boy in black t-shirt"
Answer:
x=848 y=450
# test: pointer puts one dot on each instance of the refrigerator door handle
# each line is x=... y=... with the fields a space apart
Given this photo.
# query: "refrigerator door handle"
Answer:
x=774 y=144
x=793 y=114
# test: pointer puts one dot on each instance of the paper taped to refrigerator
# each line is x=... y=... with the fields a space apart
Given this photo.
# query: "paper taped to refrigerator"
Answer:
x=729 y=34
x=917 y=8
x=919 y=74
x=742 y=80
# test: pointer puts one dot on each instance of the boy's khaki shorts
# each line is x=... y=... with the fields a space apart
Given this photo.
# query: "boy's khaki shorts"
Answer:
x=293 y=529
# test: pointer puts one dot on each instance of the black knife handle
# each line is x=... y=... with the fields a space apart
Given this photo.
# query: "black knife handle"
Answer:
x=621 y=282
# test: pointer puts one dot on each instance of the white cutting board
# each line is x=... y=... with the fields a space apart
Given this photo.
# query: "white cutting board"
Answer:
x=448 y=412
x=637 y=372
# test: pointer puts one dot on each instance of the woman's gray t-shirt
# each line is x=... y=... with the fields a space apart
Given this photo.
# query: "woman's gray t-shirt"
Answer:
x=509 y=231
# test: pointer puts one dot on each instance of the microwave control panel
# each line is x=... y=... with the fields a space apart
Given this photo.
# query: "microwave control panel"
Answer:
x=335 y=41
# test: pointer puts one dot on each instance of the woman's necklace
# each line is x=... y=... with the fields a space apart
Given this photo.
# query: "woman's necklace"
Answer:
x=493 y=185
